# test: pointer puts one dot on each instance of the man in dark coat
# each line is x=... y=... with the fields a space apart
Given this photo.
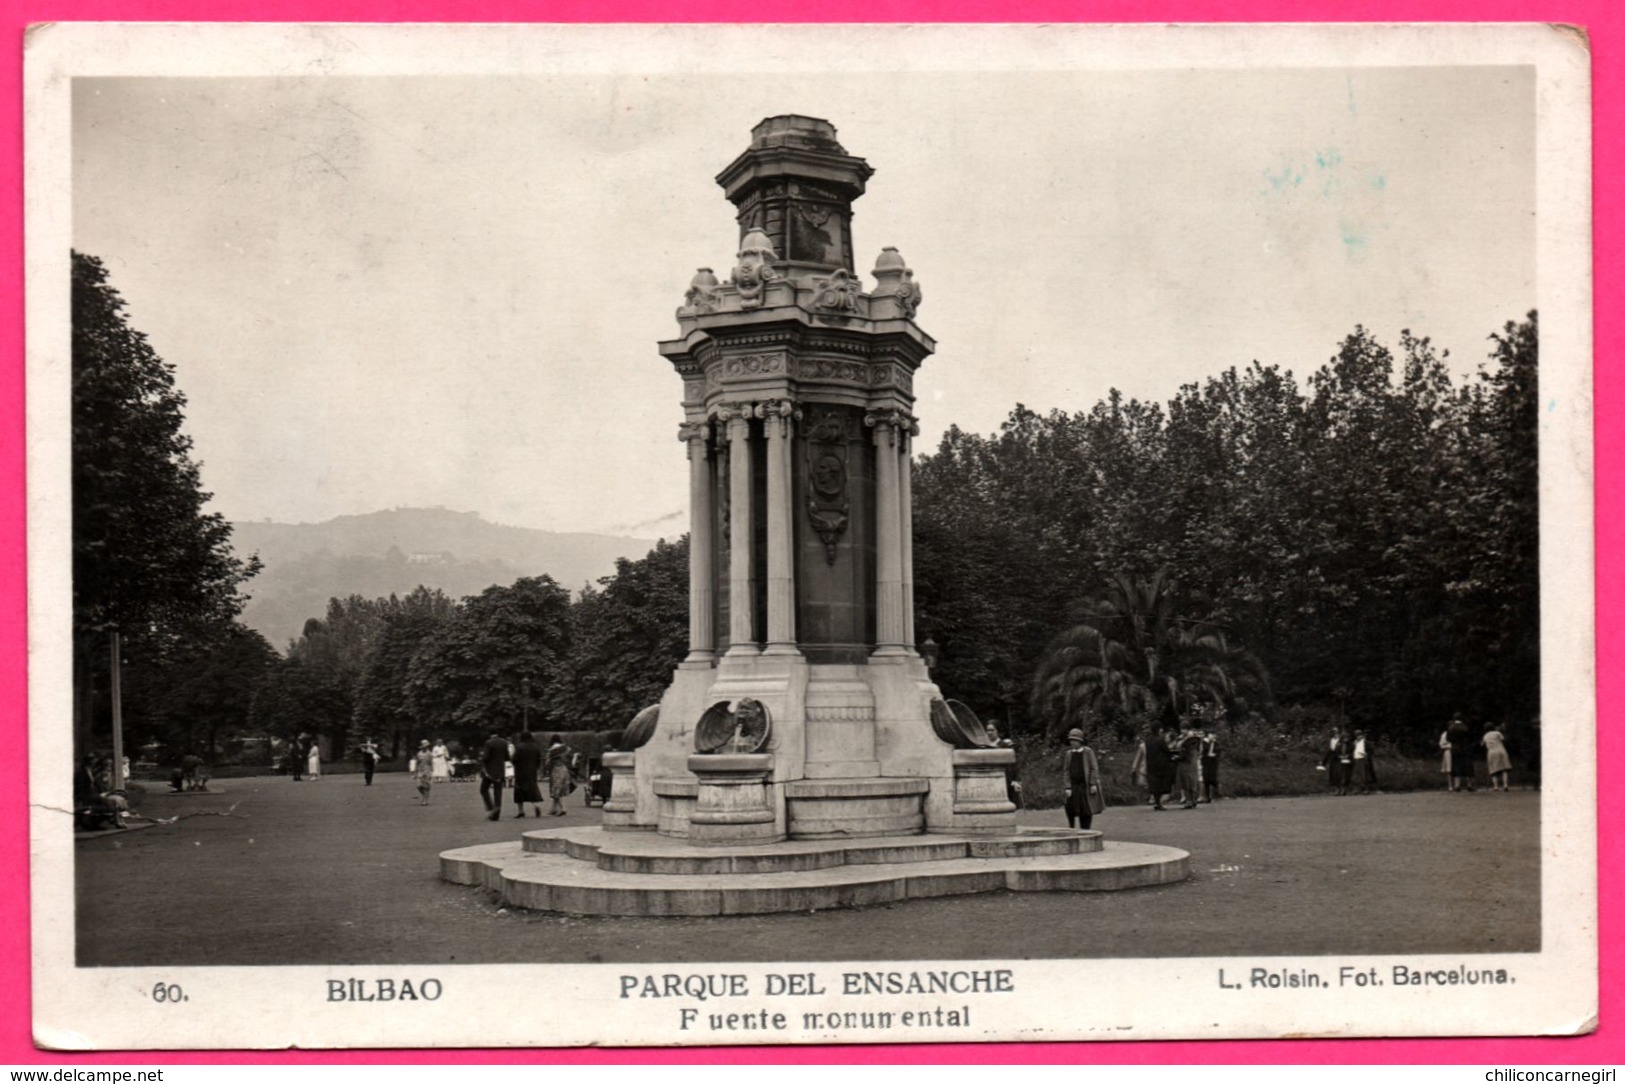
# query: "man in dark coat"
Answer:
x=369 y=759
x=493 y=767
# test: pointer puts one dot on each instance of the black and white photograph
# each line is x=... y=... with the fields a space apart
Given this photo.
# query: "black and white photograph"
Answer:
x=714 y=535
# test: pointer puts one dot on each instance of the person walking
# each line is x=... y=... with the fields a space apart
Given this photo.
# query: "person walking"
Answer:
x=1083 y=796
x=313 y=764
x=527 y=766
x=1444 y=758
x=493 y=770
x=559 y=781
x=441 y=760
x=1498 y=764
x=298 y=756
x=1159 y=767
x=369 y=759
x=423 y=771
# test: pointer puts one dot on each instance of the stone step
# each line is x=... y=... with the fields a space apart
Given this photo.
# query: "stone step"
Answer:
x=558 y=882
x=646 y=852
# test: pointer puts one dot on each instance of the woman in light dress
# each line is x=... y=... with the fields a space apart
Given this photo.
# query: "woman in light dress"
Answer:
x=556 y=765
x=1500 y=765
x=423 y=771
x=441 y=762
x=313 y=766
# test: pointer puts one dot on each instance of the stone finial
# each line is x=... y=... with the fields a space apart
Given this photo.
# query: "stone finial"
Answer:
x=703 y=295
x=755 y=268
x=896 y=282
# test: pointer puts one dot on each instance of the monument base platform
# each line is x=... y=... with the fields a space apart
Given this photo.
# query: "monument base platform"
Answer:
x=589 y=871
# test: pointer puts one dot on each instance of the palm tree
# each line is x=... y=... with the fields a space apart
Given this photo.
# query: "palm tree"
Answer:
x=1129 y=653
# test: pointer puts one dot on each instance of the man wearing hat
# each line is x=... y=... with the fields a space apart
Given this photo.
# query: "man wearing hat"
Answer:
x=493 y=774
x=1083 y=796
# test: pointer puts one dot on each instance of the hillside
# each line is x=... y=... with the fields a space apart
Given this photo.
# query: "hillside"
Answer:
x=394 y=551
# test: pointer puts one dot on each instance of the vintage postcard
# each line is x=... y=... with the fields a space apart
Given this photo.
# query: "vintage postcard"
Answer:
x=661 y=535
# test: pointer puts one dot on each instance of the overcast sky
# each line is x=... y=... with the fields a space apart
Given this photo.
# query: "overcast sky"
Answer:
x=447 y=291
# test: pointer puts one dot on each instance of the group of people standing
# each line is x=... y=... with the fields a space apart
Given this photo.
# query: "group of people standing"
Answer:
x=1182 y=762
x=305 y=758
x=522 y=761
x=1457 y=747
x=1349 y=761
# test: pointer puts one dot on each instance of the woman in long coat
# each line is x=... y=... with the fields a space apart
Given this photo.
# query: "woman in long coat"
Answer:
x=527 y=764
x=1159 y=768
x=559 y=780
x=1083 y=795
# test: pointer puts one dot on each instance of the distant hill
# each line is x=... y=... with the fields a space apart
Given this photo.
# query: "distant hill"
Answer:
x=381 y=553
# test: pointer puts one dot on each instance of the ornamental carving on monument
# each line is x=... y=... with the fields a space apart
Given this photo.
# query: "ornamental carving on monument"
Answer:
x=704 y=293
x=803 y=190
x=837 y=291
x=752 y=364
x=908 y=295
x=849 y=372
x=694 y=389
x=830 y=426
x=755 y=271
x=828 y=506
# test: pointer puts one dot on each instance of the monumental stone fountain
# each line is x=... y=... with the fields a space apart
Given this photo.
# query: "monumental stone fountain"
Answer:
x=802 y=756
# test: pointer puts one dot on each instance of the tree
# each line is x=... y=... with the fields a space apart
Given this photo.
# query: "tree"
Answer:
x=628 y=635
x=209 y=692
x=502 y=653
x=383 y=705
x=1132 y=653
x=298 y=697
x=147 y=560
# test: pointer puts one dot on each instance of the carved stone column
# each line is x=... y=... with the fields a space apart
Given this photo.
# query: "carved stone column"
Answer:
x=781 y=600
x=890 y=628
x=906 y=431
x=701 y=556
x=741 y=590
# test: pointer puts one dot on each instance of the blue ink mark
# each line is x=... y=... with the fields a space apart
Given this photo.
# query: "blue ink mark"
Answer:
x=1351 y=95
x=1353 y=244
x=1287 y=177
x=1329 y=159
x=1551 y=406
x=1379 y=182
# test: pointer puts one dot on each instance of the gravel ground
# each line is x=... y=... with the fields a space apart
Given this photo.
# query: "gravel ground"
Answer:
x=333 y=872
